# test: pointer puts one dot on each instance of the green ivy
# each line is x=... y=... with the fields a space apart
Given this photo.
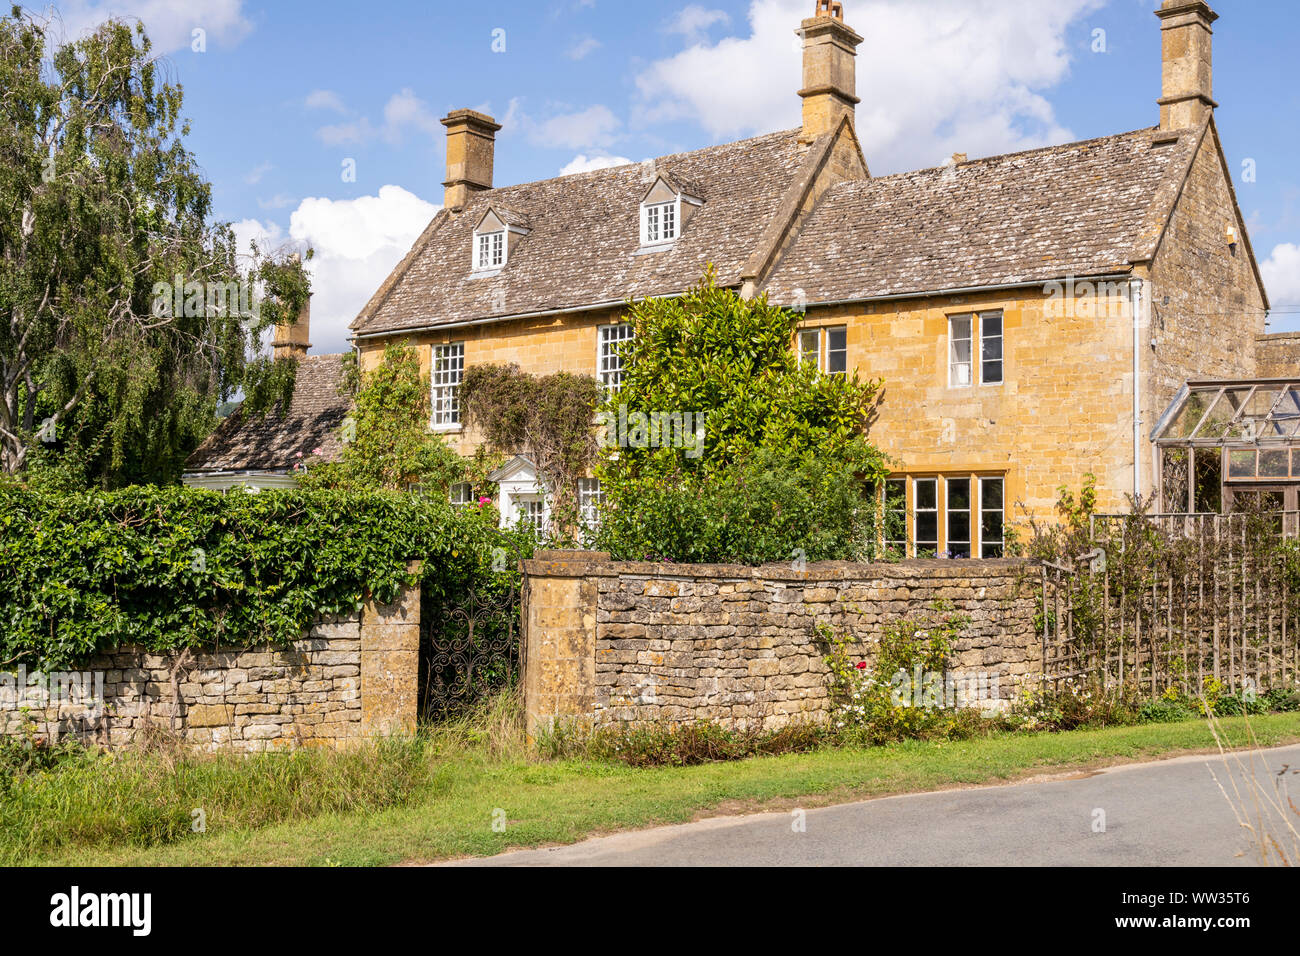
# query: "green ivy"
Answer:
x=169 y=568
x=386 y=441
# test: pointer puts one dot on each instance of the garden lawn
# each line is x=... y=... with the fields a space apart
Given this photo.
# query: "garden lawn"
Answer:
x=564 y=801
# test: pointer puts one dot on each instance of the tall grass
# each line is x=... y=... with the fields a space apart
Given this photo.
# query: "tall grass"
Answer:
x=493 y=730
x=147 y=797
x=158 y=791
x=1261 y=801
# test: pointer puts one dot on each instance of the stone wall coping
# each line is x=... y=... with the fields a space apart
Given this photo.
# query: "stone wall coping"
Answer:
x=582 y=564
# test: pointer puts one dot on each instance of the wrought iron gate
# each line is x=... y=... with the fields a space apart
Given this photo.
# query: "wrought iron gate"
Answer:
x=469 y=648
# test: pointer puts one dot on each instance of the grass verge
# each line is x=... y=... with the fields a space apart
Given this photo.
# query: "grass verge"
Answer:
x=466 y=775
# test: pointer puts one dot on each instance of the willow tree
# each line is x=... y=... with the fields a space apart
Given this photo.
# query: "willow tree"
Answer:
x=118 y=333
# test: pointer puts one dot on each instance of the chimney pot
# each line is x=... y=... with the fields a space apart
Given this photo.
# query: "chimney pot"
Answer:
x=471 y=142
x=829 y=80
x=293 y=341
x=1187 y=68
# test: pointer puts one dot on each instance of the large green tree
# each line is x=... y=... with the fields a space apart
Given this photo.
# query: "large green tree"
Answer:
x=722 y=446
x=118 y=333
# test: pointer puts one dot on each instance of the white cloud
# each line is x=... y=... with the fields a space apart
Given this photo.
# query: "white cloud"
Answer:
x=268 y=236
x=354 y=131
x=254 y=175
x=934 y=78
x=592 y=129
x=582 y=46
x=404 y=111
x=1282 y=274
x=278 y=201
x=169 y=23
x=357 y=243
x=325 y=100
x=583 y=163
x=693 y=21
x=594 y=126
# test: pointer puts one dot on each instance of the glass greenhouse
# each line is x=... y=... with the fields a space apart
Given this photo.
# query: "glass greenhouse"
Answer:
x=1219 y=441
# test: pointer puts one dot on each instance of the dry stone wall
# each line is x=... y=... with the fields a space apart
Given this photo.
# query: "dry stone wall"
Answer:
x=630 y=642
x=348 y=679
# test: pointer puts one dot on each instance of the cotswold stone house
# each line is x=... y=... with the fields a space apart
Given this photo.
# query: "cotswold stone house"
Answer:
x=1031 y=314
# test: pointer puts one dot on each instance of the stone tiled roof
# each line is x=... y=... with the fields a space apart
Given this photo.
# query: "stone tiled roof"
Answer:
x=1083 y=209
x=582 y=250
x=279 y=439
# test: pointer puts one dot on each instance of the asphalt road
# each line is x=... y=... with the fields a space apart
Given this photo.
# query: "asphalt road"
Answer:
x=1167 y=813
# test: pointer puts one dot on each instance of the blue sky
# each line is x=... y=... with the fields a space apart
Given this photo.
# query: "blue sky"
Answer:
x=284 y=93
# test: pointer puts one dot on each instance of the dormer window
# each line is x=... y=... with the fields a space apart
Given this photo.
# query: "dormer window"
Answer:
x=490 y=250
x=665 y=210
x=495 y=238
x=658 y=223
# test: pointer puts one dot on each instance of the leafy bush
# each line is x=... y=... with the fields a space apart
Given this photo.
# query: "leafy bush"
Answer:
x=178 y=567
x=1074 y=705
x=30 y=754
x=765 y=508
x=773 y=458
x=876 y=705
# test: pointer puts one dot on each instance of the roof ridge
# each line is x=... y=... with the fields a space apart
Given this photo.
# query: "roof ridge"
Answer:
x=605 y=170
x=1013 y=155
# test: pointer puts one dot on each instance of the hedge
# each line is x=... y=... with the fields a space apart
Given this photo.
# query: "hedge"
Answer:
x=168 y=568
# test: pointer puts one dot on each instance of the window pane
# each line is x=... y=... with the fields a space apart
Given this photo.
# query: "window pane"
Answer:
x=896 y=515
x=925 y=517
x=1241 y=464
x=1274 y=463
x=589 y=501
x=991 y=517
x=837 y=354
x=991 y=348
x=958 y=517
x=612 y=339
x=959 y=351
x=809 y=341
x=927 y=493
x=448 y=364
x=991 y=493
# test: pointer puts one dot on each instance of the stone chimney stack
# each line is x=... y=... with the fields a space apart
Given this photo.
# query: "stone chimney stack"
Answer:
x=292 y=341
x=829 y=81
x=1187 y=72
x=471 y=141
